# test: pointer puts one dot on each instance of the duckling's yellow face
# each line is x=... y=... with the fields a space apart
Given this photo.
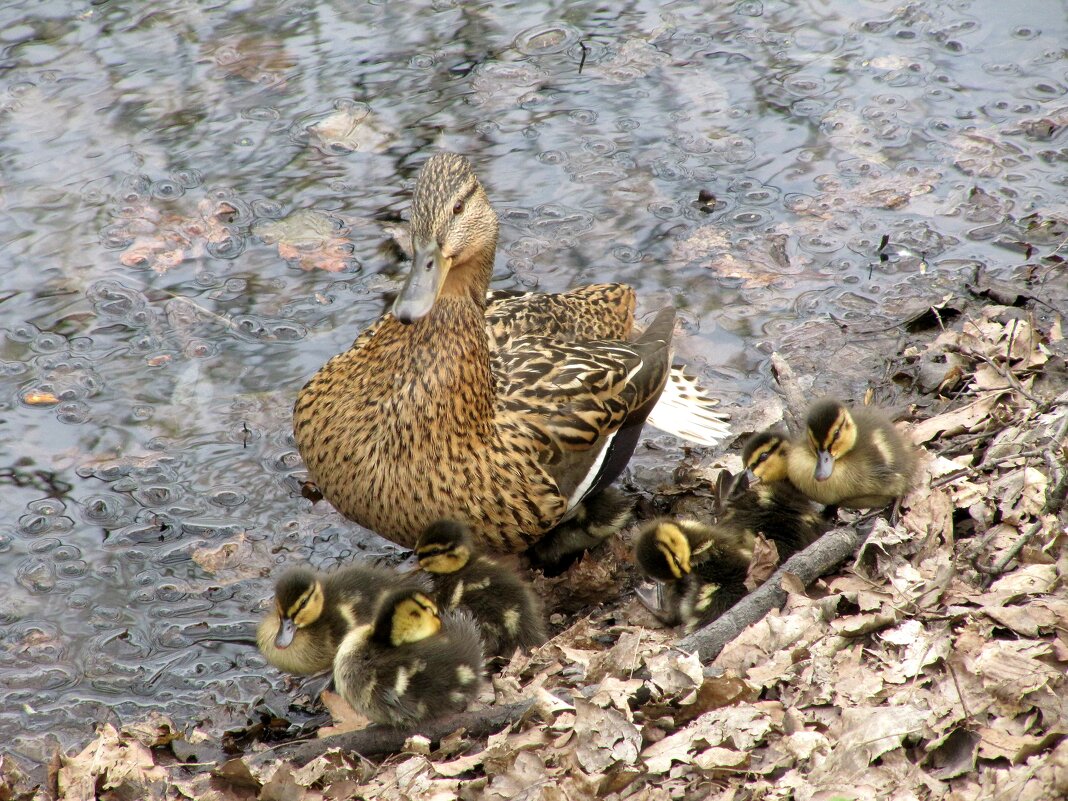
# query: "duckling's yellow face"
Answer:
x=454 y=229
x=443 y=559
x=415 y=617
x=674 y=547
x=298 y=613
x=766 y=457
x=832 y=434
x=444 y=547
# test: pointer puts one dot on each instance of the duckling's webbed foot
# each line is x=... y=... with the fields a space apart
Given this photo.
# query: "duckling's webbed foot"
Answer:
x=661 y=601
x=317 y=683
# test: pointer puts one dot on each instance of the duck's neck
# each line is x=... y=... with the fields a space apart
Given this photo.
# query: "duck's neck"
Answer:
x=448 y=359
x=470 y=278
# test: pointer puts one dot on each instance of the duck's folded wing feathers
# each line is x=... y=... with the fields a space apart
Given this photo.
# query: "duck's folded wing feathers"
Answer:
x=582 y=404
x=593 y=312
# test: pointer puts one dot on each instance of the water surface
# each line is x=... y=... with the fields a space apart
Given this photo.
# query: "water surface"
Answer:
x=192 y=208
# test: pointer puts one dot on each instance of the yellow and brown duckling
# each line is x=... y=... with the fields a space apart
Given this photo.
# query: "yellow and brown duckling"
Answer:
x=411 y=663
x=313 y=611
x=701 y=568
x=508 y=613
x=855 y=458
x=772 y=507
x=505 y=409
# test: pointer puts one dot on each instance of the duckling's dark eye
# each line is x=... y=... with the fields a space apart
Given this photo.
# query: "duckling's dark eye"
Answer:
x=458 y=208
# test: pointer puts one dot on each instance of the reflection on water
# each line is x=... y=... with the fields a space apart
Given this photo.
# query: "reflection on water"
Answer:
x=192 y=222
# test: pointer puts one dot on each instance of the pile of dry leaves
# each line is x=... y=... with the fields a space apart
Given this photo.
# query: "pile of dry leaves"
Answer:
x=933 y=667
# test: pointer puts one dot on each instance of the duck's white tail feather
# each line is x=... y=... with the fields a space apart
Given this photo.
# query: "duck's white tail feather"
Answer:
x=686 y=410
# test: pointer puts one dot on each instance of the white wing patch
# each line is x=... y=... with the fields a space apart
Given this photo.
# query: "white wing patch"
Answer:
x=685 y=410
x=591 y=474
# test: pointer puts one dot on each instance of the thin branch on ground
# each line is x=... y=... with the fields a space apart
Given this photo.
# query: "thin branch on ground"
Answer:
x=821 y=557
x=1002 y=564
x=795 y=396
x=378 y=740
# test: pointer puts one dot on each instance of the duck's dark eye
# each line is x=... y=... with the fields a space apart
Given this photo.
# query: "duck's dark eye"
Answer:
x=458 y=208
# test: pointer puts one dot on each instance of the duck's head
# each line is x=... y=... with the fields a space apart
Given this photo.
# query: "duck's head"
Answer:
x=405 y=616
x=299 y=601
x=662 y=550
x=444 y=547
x=831 y=433
x=454 y=237
x=765 y=455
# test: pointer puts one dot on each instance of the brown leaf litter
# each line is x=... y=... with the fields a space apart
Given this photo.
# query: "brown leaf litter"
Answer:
x=934 y=667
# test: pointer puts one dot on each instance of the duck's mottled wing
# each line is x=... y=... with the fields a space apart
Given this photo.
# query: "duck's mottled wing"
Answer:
x=568 y=396
x=597 y=311
x=571 y=401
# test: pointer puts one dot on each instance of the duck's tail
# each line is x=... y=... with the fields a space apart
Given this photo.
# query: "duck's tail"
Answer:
x=686 y=410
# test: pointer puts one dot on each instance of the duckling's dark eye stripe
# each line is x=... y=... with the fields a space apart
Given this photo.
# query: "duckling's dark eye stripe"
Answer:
x=433 y=550
x=301 y=602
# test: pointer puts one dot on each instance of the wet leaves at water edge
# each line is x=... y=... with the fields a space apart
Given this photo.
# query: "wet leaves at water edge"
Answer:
x=934 y=666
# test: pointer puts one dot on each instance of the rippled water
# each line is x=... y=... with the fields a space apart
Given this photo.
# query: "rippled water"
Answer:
x=190 y=223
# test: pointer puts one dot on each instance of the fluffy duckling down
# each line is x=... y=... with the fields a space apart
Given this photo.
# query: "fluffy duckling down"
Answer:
x=412 y=663
x=508 y=613
x=313 y=611
x=596 y=518
x=702 y=568
x=855 y=458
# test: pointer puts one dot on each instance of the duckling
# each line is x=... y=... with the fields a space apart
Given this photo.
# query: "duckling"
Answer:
x=596 y=518
x=854 y=458
x=702 y=568
x=505 y=608
x=412 y=663
x=313 y=611
x=763 y=500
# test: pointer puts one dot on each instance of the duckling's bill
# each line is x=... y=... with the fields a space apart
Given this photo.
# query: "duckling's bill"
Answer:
x=286 y=632
x=824 y=465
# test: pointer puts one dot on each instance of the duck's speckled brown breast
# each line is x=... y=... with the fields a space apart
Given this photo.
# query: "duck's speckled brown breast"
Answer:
x=399 y=431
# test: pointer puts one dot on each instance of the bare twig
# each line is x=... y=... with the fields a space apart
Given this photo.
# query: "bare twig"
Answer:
x=378 y=740
x=818 y=559
x=999 y=567
x=949 y=478
x=1014 y=382
x=795 y=397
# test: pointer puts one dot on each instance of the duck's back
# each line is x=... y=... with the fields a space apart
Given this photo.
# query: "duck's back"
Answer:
x=596 y=311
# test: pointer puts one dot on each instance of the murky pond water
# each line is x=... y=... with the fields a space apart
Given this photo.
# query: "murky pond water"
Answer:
x=191 y=218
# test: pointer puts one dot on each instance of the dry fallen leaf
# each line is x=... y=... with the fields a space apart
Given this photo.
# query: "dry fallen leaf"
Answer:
x=344 y=716
x=39 y=398
x=112 y=762
x=765 y=561
x=311 y=239
x=605 y=738
x=238 y=559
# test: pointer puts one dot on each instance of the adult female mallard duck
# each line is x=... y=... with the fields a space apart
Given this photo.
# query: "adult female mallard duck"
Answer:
x=502 y=411
x=849 y=457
